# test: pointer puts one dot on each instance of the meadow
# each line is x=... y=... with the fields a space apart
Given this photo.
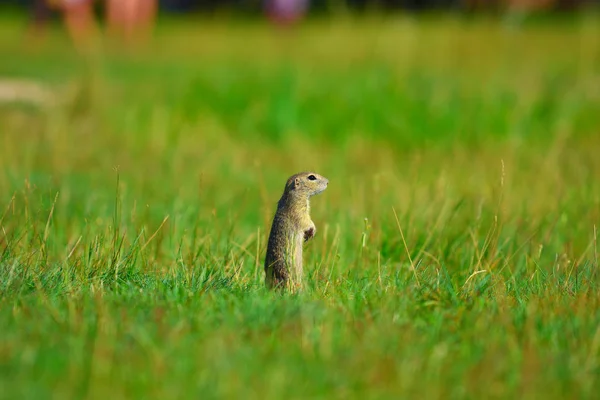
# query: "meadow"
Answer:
x=456 y=253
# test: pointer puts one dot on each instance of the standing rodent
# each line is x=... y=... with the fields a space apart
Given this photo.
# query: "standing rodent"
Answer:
x=291 y=227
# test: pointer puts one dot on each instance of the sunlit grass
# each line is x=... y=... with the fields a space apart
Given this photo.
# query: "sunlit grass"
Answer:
x=456 y=253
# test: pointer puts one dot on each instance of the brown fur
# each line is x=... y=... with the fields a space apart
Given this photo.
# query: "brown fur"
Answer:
x=291 y=227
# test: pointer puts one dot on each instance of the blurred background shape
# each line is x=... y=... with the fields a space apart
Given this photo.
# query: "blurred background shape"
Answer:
x=131 y=21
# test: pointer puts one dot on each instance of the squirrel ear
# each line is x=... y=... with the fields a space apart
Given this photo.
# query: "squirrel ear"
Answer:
x=296 y=182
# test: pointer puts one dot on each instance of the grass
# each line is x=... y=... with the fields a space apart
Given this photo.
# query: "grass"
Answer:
x=456 y=253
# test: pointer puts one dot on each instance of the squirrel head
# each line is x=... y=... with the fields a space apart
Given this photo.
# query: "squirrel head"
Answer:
x=306 y=184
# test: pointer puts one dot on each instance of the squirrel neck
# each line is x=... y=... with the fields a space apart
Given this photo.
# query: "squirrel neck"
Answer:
x=300 y=204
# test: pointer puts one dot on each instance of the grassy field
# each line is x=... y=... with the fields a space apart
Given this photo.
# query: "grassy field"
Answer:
x=456 y=254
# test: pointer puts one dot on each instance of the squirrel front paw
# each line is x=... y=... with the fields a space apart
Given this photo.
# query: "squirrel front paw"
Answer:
x=309 y=233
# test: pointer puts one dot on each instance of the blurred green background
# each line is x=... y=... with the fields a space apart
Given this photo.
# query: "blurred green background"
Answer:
x=456 y=254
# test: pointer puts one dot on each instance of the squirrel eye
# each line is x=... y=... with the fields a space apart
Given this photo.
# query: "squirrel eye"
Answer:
x=312 y=178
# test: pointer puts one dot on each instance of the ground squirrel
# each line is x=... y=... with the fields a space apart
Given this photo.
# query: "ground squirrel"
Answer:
x=291 y=227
